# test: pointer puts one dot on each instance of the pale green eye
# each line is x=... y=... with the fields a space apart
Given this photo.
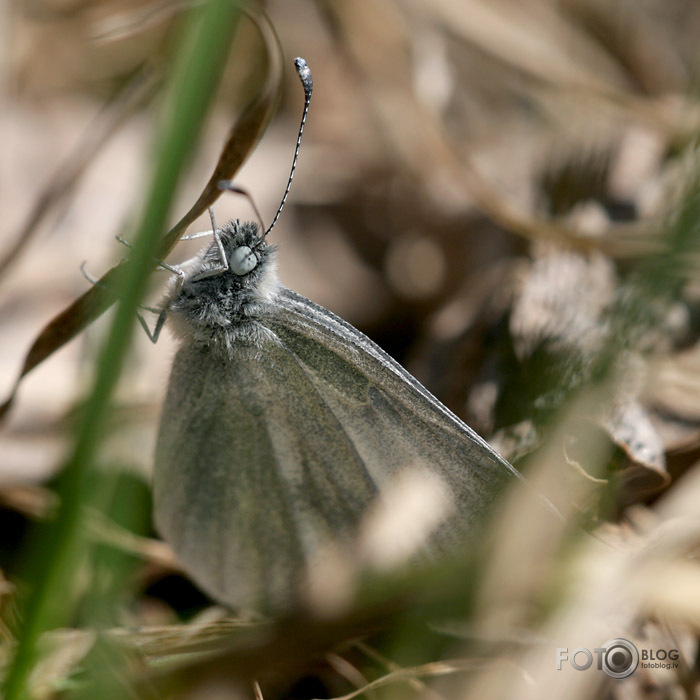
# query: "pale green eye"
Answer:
x=243 y=260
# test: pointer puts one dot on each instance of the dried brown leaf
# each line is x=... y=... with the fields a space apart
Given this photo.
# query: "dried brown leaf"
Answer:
x=644 y=471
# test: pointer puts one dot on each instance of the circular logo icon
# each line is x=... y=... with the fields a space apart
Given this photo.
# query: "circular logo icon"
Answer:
x=620 y=658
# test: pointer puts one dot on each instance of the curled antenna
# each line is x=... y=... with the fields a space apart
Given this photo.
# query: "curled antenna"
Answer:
x=307 y=81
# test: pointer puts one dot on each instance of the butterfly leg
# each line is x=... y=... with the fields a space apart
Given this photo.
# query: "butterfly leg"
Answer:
x=89 y=277
x=161 y=265
x=162 y=313
x=223 y=263
x=199 y=234
x=160 y=322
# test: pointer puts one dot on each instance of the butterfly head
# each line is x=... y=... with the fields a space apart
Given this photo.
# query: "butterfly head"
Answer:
x=244 y=248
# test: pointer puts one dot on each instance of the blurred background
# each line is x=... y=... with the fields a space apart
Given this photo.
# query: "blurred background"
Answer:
x=502 y=194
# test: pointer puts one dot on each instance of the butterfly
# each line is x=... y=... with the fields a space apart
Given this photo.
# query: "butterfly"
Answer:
x=284 y=426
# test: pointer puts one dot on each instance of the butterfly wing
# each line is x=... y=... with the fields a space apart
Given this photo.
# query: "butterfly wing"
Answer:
x=264 y=459
x=393 y=420
x=248 y=484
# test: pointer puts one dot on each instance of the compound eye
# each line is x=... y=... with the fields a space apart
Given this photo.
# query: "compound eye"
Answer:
x=243 y=261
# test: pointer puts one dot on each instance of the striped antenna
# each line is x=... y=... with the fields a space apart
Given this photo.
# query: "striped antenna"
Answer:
x=307 y=81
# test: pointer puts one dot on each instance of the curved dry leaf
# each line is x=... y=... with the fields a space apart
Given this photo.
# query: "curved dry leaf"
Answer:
x=644 y=469
x=243 y=137
x=244 y=133
x=64 y=327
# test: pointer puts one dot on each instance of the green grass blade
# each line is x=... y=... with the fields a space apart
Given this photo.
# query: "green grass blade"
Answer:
x=200 y=59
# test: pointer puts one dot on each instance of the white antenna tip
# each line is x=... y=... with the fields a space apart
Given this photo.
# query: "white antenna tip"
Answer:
x=304 y=75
